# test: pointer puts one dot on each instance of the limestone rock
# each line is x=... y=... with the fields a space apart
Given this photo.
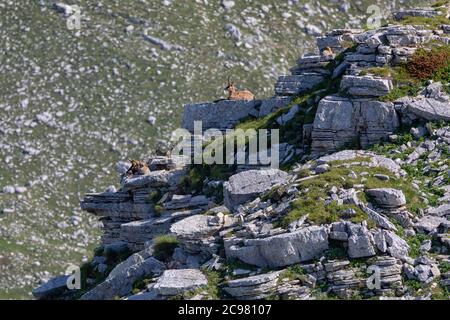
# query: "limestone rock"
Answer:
x=387 y=197
x=280 y=250
x=360 y=242
x=173 y=282
x=247 y=185
x=51 y=288
x=121 y=279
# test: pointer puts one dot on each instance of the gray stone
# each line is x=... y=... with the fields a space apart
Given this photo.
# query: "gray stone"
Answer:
x=121 y=279
x=442 y=210
x=221 y=115
x=387 y=197
x=296 y=84
x=340 y=121
x=429 y=109
x=429 y=223
x=397 y=247
x=173 y=282
x=425 y=13
x=280 y=250
x=248 y=185
x=366 y=85
x=360 y=242
x=379 y=219
x=51 y=288
x=195 y=227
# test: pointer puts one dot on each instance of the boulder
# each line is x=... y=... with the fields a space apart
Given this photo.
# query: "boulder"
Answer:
x=51 y=288
x=121 y=279
x=429 y=108
x=340 y=121
x=366 y=85
x=397 y=247
x=195 y=227
x=360 y=242
x=429 y=223
x=248 y=185
x=280 y=250
x=295 y=84
x=174 y=282
x=387 y=197
x=253 y=287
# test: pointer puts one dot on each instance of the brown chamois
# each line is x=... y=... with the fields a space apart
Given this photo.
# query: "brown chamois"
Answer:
x=138 y=168
x=328 y=52
x=234 y=94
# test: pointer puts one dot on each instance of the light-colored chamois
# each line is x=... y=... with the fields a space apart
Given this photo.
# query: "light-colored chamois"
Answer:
x=234 y=94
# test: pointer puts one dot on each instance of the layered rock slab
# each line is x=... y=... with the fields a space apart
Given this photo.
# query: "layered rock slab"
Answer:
x=280 y=250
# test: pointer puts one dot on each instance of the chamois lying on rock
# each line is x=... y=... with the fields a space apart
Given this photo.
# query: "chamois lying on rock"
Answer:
x=234 y=94
x=138 y=168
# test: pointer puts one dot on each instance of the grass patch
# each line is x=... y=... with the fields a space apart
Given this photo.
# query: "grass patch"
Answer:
x=164 y=246
x=377 y=71
x=414 y=244
x=444 y=266
x=294 y=272
x=315 y=190
x=429 y=23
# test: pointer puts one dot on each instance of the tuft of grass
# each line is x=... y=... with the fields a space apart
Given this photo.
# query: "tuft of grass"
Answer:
x=294 y=272
x=414 y=244
x=444 y=266
x=429 y=23
x=377 y=71
x=163 y=246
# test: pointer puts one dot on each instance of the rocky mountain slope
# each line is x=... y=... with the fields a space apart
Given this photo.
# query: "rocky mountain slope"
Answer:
x=75 y=102
x=364 y=187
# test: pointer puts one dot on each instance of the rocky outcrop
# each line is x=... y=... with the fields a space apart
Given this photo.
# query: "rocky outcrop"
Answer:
x=262 y=221
x=174 y=282
x=225 y=114
x=281 y=250
x=121 y=279
x=52 y=288
x=344 y=121
x=247 y=185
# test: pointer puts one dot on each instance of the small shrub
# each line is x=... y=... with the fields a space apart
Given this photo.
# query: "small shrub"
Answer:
x=164 y=246
x=431 y=63
x=158 y=209
x=155 y=195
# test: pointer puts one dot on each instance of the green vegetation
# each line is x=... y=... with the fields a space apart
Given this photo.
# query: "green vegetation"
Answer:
x=414 y=244
x=158 y=210
x=311 y=202
x=431 y=62
x=429 y=23
x=377 y=71
x=163 y=246
x=155 y=195
x=142 y=283
x=336 y=252
x=404 y=84
x=294 y=272
x=444 y=266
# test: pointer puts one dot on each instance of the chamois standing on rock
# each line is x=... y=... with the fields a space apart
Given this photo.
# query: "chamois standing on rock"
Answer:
x=234 y=94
